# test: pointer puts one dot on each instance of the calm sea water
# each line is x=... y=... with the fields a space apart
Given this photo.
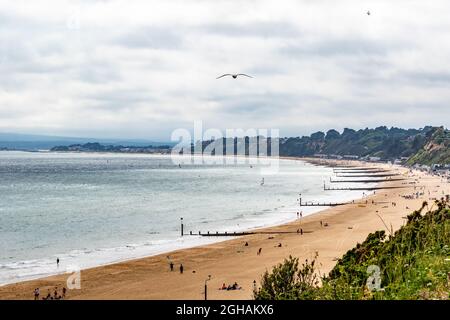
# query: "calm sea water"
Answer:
x=94 y=209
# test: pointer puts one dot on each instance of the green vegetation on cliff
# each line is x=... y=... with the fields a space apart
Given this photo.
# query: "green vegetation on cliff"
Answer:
x=436 y=150
x=424 y=146
x=428 y=145
x=379 y=142
x=412 y=263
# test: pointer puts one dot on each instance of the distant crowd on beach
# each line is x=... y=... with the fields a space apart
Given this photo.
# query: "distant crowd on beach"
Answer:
x=233 y=286
x=56 y=294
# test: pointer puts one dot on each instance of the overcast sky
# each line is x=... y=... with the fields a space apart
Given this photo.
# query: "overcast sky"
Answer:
x=140 y=69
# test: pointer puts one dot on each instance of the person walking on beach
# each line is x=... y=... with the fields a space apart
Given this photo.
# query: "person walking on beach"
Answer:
x=36 y=294
x=181 y=269
x=171 y=266
x=57 y=262
x=259 y=251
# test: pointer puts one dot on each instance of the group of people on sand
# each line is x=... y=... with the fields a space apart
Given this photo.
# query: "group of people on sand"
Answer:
x=323 y=224
x=412 y=196
x=233 y=286
x=49 y=296
x=171 y=265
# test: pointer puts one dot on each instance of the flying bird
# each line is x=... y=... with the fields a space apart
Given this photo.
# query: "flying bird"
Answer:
x=234 y=75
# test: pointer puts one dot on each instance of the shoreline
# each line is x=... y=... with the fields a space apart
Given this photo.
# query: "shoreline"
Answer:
x=126 y=276
x=141 y=250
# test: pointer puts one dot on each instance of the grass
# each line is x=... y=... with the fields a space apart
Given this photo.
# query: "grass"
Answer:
x=413 y=263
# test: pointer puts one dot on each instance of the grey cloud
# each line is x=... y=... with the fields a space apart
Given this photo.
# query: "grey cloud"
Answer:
x=427 y=78
x=336 y=47
x=275 y=29
x=118 y=99
x=150 y=38
x=97 y=72
x=381 y=72
x=262 y=105
x=268 y=69
x=307 y=77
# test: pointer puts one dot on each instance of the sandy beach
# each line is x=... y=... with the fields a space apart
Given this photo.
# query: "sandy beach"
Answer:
x=329 y=233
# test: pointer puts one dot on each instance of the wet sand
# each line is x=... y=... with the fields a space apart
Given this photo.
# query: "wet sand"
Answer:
x=230 y=261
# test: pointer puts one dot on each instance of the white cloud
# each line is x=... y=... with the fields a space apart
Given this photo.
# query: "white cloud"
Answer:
x=143 y=68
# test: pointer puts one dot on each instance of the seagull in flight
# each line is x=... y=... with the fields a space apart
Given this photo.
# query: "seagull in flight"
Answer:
x=234 y=75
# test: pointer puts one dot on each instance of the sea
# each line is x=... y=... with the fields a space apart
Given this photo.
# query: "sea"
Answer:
x=92 y=209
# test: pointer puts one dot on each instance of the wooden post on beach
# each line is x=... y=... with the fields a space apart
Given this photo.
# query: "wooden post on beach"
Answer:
x=181 y=226
x=206 y=287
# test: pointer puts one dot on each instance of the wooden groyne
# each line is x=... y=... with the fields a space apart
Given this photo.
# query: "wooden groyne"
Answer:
x=366 y=175
x=323 y=204
x=366 y=180
x=359 y=168
x=360 y=171
x=221 y=234
x=239 y=234
x=361 y=188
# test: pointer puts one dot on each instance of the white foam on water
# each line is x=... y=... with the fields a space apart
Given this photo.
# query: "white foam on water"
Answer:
x=246 y=218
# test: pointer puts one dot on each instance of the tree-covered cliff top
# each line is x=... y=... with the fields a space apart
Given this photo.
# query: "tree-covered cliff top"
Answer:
x=424 y=146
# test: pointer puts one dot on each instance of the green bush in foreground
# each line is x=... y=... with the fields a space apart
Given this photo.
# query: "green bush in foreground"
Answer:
x=412 y=263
